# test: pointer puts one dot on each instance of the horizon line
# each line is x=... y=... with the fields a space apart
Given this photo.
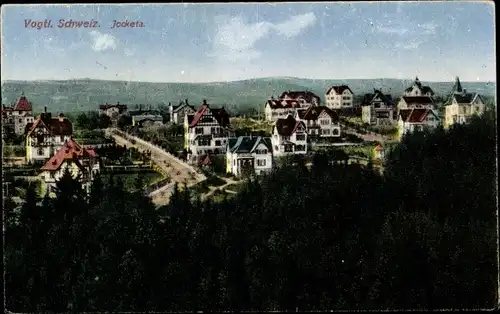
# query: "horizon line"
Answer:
x=240 y=80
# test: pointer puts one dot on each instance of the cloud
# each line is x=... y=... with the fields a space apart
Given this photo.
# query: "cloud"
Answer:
x=102 y=42
x=235 y=39
x=296 y=24
x=128 y=52
x=409 y=45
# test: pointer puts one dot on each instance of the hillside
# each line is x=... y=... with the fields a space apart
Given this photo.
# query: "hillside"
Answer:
x=87 y=94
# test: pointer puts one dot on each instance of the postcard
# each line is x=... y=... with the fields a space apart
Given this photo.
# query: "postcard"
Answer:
x=249 y=156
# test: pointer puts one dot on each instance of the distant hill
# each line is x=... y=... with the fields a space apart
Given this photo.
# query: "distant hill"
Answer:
x=87 y=94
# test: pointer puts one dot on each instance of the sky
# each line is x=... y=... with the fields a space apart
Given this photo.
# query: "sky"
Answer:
x=234 y=41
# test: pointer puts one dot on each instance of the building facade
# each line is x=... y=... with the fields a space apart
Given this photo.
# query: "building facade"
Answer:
x=206 y=132
x=411 y=120
x=462 y=106
x=112 y=111
x=417 y=89
x=379 y=109
x=320 y=121
x=16 y=117
x=339 y=96
x=178 y=112
x=247 y=155
x=45 y=136
x=289 y=136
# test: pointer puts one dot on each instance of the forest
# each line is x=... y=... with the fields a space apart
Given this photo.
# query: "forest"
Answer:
x=335 y=236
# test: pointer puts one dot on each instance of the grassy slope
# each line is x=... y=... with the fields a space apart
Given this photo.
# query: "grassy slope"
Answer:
x=82 y=95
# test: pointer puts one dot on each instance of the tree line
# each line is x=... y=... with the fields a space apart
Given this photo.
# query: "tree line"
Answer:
x=332 y=236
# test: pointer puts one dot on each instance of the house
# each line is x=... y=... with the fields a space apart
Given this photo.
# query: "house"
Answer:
x=112 y=111
x=416 y=119
x=304 y=98
x=339 y=96
x=178 y=112
x=206 y=132
x=76 y=159
x=16 y=117
x=247 y=155
x=461 y=106
x=320 y=121
x=147 y=120
x=45 y=136
x=407 y=102
x=289 y=136
x=417 y=89
x=280 y=109
x=378 y=108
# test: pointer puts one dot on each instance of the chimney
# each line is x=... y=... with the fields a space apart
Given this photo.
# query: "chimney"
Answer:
x=45 y=109
x=117 y=102
x=186 y=101
x=204 y=102
x=465 y=91
x=61 y=117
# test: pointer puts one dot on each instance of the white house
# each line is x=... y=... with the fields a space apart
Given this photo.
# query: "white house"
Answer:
x=112 y=111
x=206 y=132
x=408 y=102
x=73 y=157
x=178 y=112
x=417 y=89
x=248 y=155
x=289 y=136
x=45 y=136
x=320 y=121
x=280 y=109
x=416 y=119
x=147 y=120
x=461 y=106
x=340 y=96
x=15 y=118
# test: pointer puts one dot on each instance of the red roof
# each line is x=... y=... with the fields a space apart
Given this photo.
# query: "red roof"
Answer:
x=415 y=115
x=379 y=148
x=206 y=161
x=70 y=150
x=220 y=114
x=313 y=112
x=23 y=104
x=288 y=126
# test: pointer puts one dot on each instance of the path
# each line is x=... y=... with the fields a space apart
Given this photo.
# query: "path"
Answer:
x=168 y=165
x=221 y=188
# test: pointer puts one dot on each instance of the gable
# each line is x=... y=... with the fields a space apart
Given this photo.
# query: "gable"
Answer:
x=261 y=146
x=300 y=128
x=478 y=100
x=323 y=115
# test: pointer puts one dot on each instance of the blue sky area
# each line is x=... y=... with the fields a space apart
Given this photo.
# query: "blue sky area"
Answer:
x=222 y=42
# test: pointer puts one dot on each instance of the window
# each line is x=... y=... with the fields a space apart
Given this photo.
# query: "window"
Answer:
x=276 y=148
x=300 y=137
x=218 y=143
x=61 y=138
x=261 y=151
x=204 y=142
x=286 y=138
x=20 y=120
x=326 y=131
x=261 y=162
x=324 y=122
x=234 y=162
x=198 y=131
x=288 y=148
x=11 y=121
x=300 y=148
x=52 y=174
x=40 y=151
x=212 y=130
x=335 y=132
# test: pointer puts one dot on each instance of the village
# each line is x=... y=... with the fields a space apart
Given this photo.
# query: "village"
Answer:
x=203 y=148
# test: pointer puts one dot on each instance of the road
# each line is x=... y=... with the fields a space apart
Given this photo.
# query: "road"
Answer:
x=165 y=163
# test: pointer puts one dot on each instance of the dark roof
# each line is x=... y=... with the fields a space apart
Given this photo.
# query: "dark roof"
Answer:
x=181 y=106
x=23 y=104
x=416 y=115
x=423 y=88
x=288 y=126
x=464 y=98
x=307 y=95
x=282 y=104
x=339 y=89
x=312 y=113
x=418 y=99
x=387 y=99
x=246 y=144
x=457 y=87
x=56 y=126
